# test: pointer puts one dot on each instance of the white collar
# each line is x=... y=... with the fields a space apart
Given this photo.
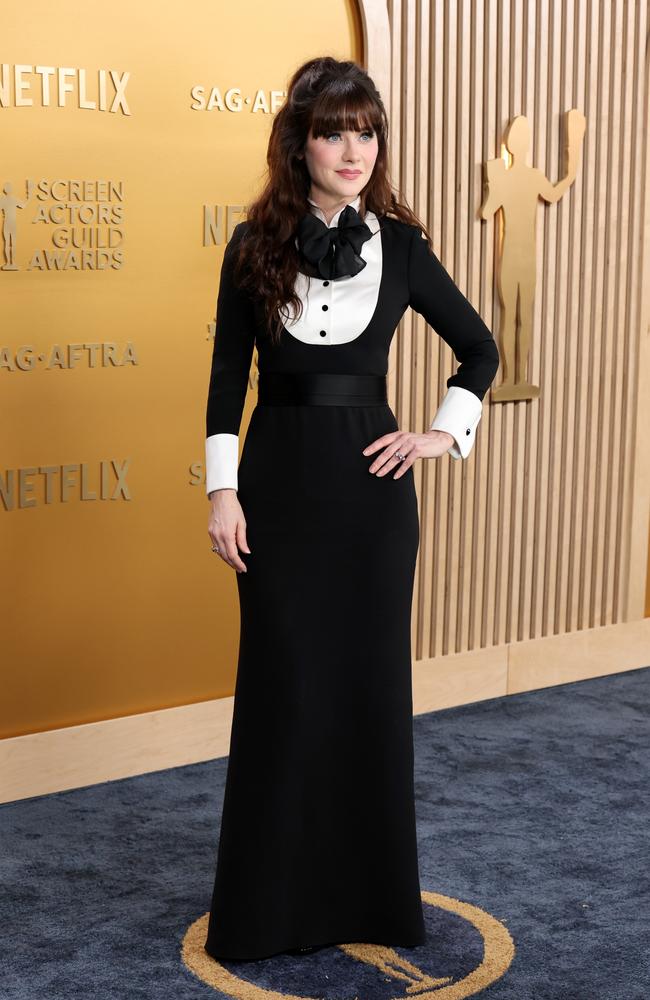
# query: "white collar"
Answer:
x=335 y=218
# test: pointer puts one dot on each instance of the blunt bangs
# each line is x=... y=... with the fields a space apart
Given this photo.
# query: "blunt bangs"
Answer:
x=346 y=110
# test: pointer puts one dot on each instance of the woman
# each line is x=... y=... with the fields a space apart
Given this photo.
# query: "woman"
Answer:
x=320 y=521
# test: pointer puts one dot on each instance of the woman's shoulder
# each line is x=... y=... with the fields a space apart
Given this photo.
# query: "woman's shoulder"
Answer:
x=238 y=238
x=405 y=230
x=401 y=234
x=240 y=229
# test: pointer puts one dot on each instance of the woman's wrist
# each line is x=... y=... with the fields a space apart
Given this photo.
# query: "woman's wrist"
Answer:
x=446 y=434
x=223 y=489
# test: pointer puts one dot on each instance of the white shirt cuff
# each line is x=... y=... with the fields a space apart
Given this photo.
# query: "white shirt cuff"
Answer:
x=459 y=414
x=221 y=461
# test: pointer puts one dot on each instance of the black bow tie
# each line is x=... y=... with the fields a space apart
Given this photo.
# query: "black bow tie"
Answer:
x=333 y=251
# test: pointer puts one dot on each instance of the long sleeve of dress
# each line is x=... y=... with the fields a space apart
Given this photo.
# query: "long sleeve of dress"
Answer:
x=234 y=340
x=435 y=296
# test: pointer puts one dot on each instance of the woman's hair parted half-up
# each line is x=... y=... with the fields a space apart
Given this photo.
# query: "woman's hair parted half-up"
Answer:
x=324 y=96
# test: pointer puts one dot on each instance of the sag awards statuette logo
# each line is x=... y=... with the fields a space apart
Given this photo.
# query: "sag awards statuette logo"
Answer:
x=409 y=977
x=512 y=189
x=79 y=220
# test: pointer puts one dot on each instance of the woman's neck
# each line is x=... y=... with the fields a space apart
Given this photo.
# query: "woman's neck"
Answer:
x=328 y=207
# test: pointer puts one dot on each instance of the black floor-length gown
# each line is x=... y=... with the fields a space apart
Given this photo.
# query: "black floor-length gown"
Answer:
x=318 y=837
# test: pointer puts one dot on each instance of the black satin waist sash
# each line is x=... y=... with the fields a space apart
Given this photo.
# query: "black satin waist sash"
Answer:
x=321 y=389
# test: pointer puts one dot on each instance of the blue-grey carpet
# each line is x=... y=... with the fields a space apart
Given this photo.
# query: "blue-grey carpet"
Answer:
x=533 y=808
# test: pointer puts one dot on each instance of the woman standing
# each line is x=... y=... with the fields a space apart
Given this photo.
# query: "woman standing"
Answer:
x=320 y=521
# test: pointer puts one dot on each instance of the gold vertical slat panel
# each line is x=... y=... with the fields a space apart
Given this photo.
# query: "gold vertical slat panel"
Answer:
x=634 y=590
x=533 y=534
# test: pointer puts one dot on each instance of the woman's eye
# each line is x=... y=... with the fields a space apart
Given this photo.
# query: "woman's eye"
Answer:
x=367 y=132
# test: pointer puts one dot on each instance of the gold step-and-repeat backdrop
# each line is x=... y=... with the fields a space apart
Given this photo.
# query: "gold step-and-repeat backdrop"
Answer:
x=130 y=143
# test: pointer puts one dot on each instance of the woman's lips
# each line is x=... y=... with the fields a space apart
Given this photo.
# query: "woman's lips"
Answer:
x=349 y=173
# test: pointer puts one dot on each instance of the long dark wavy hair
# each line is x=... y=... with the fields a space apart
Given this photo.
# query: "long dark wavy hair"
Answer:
x=324 y=96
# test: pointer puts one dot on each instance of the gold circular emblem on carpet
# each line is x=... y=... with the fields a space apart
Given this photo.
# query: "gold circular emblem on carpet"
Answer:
x=498 y=953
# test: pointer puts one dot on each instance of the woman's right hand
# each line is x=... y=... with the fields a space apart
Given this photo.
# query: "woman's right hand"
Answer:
x=227 y=527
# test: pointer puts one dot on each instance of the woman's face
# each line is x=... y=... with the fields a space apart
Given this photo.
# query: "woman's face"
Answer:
x=340 y=164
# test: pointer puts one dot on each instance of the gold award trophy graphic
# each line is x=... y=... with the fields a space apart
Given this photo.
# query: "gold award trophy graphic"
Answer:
x=8 y=205
x=514 y=190
x=397 y=977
